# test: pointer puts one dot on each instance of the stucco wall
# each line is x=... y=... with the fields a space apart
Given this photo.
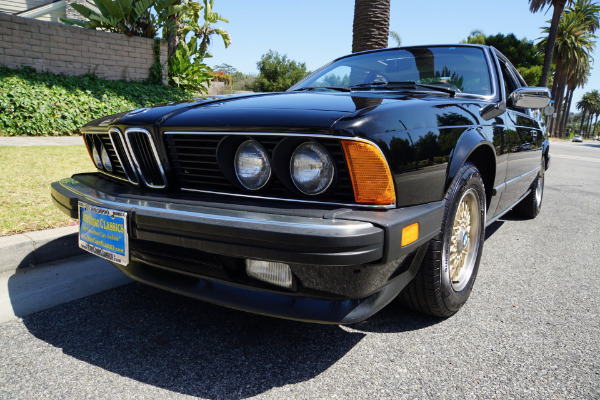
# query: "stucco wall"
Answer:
x=61 y=49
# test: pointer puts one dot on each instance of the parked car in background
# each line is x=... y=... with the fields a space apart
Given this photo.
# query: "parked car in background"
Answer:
x=577 y=138
x=374 y=176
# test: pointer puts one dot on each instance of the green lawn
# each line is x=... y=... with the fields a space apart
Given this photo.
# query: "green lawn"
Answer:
x=25 y=177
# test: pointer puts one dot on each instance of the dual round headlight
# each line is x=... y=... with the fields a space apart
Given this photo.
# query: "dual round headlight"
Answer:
x=101 y=158
x=252 y=165
x=106 y=160
x=311 y=168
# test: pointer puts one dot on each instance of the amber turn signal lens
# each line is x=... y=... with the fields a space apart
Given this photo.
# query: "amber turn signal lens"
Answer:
x=369 y=172
x=410 y=234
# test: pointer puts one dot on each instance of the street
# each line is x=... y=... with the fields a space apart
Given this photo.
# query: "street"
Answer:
x=531 y=329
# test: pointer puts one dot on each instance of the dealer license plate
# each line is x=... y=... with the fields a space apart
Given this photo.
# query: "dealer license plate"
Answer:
x=103 y=232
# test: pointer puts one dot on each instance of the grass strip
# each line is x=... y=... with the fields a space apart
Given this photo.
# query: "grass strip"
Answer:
x=26 y=174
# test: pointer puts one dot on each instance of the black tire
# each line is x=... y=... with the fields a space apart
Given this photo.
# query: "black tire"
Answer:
x=531 y=205
x=433 y=291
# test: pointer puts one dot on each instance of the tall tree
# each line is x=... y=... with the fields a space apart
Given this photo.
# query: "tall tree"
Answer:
x=557 y=9
x=573 y=47
x=277 y=72
x=594 y=110
x=371 y=25
x=585 y=105
x=577 y=79
x=522 y=53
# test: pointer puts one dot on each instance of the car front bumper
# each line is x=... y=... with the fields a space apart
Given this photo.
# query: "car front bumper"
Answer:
x=347 y=264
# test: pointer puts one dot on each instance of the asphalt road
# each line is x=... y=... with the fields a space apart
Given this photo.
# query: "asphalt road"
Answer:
x=531 y=329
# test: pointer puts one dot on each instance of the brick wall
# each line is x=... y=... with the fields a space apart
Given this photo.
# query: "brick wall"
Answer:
x=62 y=49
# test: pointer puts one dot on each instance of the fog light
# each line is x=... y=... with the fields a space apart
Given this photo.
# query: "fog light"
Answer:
x=276 y=273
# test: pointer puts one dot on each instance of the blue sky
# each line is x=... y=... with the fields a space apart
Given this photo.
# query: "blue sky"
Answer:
x=315 y=32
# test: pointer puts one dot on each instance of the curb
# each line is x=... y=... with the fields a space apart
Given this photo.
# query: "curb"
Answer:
x=34 y=248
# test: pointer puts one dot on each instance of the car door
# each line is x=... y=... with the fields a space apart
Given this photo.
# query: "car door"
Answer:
x=525 y=138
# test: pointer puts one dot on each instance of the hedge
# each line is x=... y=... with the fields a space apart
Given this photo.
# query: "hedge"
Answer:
x=43 y=104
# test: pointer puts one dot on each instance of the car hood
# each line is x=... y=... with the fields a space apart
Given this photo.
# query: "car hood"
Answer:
x=300 y=112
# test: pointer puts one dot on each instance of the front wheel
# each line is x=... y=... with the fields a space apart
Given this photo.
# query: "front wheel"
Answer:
x=445 y=279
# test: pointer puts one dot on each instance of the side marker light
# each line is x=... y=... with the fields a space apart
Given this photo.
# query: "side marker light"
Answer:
x=410 y=234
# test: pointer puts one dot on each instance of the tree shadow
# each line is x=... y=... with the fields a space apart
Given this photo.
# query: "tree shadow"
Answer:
x=596 y=145
x=194 y=348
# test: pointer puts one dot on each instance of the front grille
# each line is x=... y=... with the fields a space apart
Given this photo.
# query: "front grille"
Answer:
x=145 y=158
x=193 y=158
x=118 y=142
x=133 y=155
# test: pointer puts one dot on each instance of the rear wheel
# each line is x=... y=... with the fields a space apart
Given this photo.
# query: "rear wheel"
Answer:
x=445 y=279
x=531 y=205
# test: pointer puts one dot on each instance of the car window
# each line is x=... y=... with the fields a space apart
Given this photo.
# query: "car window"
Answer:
x=463 y=69
x=510 y=84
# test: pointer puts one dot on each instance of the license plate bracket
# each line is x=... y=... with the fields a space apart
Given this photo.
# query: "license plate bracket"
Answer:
x=103 y=232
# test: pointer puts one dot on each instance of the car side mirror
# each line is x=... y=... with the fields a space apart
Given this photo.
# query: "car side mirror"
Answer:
x=530 y=97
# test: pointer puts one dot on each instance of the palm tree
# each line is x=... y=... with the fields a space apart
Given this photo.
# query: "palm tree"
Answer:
x=588 y=12
x=577 y=79
x=371 y=24
x=573 y=46
x=585 y=105
x=557 y=9
x=594 y=110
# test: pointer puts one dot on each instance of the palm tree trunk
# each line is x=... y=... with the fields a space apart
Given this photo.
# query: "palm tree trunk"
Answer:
x=555 y=80
x=582 y=119
x=568 y=110
x=371 y=25
x=558 y=7
x=589 y=124
x=594 y=130
x=551 y=118
x=560 y=91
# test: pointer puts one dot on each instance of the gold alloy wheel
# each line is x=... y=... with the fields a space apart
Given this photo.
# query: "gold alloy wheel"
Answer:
x=464 y=242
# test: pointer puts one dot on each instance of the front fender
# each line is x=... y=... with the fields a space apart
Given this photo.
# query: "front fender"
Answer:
x=472 y=146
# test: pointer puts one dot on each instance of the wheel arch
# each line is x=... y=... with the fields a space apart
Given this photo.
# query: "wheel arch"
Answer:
x=473 y=147
x=546 y=153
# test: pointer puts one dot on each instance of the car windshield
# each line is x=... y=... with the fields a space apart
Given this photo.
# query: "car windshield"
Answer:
x=459 y=68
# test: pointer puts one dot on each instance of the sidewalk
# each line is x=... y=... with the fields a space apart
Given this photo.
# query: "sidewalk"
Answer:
x=35 y=248
x=40 y=140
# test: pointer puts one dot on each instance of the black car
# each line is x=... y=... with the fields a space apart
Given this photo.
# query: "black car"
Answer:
x=374 y=176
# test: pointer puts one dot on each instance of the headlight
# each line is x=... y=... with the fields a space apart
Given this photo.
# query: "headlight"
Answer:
x=252 y=165
x=106 y=160
x=96 y=157
x=311 y=168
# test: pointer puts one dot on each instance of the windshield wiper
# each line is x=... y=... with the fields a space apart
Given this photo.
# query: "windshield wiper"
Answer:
x=404 y=85
x=339 y=89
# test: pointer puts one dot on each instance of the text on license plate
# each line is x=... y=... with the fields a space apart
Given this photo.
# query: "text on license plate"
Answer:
x=103 y=232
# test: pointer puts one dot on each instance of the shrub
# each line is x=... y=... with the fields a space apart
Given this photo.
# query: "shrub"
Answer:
x=43 y=104
x=277 y=73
